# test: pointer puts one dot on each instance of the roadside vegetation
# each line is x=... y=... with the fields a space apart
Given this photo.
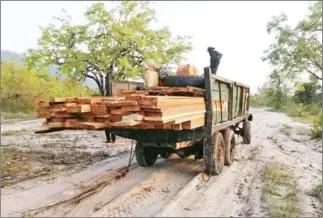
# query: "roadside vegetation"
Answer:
x=294 y=86
x=13 y=132
x=20 y=86
x=280 y=191
x=318 y=192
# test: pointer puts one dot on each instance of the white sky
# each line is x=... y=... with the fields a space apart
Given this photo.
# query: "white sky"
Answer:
x=236 y=29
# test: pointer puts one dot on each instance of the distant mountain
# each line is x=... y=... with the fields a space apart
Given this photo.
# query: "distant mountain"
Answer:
x=12 y=57
x=18 y=58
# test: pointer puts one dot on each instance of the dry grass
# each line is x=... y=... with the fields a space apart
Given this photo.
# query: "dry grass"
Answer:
x=18 y=165
x=280 y=191
x=13 y=132
x=9 y=117
x=285 y=129
x=317 y=191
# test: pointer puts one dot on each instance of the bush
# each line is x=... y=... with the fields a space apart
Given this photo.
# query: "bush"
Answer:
x=317 y=126
x=297 y=110
x=20 y=86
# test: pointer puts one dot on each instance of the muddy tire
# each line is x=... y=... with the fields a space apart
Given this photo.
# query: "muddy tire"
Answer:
x=246 y=132
x=145 y=156
x=214 y=154
x=230 y=146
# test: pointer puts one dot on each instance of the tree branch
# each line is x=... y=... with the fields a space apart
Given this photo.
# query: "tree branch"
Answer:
x=312 y=73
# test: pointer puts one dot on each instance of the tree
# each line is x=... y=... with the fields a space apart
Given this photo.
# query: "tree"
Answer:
x=112 y=44
x=276 y=90
x=308 y=92
x=299 y=49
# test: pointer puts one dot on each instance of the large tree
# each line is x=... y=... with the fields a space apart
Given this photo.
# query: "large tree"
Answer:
x=297 y=50
x=112 y=44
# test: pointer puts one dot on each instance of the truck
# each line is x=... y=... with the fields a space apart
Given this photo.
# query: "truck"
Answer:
x=227 y=115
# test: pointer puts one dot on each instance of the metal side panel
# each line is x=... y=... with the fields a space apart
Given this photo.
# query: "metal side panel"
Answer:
x=208 y=101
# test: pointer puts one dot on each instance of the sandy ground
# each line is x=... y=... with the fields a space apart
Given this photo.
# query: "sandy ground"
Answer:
x=174 y=187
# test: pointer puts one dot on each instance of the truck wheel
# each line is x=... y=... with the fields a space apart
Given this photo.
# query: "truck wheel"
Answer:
x=214 y=154
x=145 y=156
x=246 y=132
x=230 y=146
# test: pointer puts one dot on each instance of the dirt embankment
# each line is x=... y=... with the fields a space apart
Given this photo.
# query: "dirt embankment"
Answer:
x=281 y=165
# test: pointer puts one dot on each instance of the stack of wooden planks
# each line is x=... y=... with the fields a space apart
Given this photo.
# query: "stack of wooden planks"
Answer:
x=132 y=110
x=171 y=91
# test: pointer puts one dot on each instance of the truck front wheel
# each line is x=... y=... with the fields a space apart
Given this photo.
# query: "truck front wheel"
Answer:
x=145 y=156
x=213 y=154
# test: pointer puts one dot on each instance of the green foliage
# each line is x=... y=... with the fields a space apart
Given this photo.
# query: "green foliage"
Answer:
x=112 y=42
x=272 y=94
x=317 y=126
x=297 y=49
x=20 y=86
x=294 y=52
x=307 y=93
x=94 y=92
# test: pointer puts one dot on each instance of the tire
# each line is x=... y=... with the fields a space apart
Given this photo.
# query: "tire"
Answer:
x=214 y=154
x=230 y=146
x=184 y=80
x=246 y=132
x=145 y=156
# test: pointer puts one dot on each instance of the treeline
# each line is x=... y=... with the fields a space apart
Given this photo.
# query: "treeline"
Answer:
x=295 y=84
x=20 y=86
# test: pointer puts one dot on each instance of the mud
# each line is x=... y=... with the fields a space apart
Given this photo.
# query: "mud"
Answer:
x=173 y=187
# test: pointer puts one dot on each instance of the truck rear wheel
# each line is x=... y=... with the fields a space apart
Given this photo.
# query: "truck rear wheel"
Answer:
x=213 y=154
x=246 y=132
x=145 y=156
x=230 y=146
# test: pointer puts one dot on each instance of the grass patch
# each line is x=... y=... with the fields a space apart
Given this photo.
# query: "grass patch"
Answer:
x=13 y=132
x=18 y=165
x=303 y=131
x=317 y=192
x=280 y=191
x=285 y=129
x=18 y=115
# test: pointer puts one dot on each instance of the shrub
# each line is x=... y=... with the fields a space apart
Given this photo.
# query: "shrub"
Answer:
x=317 y=126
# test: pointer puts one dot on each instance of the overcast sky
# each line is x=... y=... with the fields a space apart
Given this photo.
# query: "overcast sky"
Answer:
x=236 y=29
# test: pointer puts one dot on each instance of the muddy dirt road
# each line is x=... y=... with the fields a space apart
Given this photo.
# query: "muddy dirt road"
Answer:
x=83 y=186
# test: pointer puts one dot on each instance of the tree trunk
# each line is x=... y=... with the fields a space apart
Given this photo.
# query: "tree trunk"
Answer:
x=108 y=92
x=101 y=89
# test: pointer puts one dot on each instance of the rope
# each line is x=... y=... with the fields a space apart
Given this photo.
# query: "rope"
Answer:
x=131 y=156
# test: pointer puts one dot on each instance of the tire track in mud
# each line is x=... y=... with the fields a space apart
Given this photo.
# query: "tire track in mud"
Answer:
x=139 y=201
x=228 y=192
x=136 y=194
x=193 y=202
x=152 y=191
x=152 y=194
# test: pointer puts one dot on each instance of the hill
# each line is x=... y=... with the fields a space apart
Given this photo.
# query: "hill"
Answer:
x=18 y=58
x=12 y=57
